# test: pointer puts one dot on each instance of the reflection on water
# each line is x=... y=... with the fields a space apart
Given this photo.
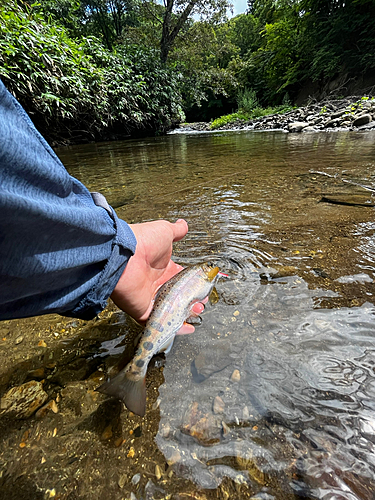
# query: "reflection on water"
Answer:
x=273 y=396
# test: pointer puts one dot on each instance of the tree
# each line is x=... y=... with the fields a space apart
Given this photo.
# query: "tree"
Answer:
x=109 y=17
x=176 y=13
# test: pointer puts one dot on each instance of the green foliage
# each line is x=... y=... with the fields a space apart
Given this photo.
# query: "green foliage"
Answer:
x=202 y=57
x=91 y=68
x=78 y=87
x=224 y=120
x=306 y=40
x=247 y=100
x=256 y=112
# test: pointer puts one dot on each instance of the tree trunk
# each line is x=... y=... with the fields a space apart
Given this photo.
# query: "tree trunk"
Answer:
x=170 y=33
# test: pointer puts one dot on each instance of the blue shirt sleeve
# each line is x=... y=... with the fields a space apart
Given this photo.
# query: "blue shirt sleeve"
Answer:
x=59 y=251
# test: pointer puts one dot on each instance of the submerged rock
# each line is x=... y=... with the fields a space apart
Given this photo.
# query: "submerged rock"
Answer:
x=23 y=400
x=218 y=405
x=201 y=425
x=236 y=376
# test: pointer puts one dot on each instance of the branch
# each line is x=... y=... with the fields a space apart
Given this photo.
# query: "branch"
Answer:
x=182 y=19
x=145 y=3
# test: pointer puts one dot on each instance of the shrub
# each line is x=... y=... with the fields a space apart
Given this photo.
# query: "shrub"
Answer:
x=77 y=89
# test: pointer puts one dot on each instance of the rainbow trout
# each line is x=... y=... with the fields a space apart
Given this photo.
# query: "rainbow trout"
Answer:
x=172 y=307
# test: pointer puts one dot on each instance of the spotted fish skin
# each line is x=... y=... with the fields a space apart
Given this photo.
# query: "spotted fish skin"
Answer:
x=173 y=305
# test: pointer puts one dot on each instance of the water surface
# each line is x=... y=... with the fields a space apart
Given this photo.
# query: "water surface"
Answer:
x=273 y=396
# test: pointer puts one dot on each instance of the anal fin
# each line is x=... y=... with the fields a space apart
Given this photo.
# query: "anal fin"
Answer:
x=167 y=346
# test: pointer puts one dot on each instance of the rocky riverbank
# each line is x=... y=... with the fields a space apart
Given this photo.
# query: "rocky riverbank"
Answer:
x=350 y=113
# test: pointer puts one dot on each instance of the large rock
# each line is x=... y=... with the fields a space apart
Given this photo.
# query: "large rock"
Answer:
x=337 y=114
x=297 y=126
x=368 y=126
x=22 y=401
x=202 y=425
x=362 y=120
x=332 y=123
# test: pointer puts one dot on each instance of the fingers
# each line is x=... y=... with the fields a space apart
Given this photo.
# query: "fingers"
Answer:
x=198 y=308
x=185 y=329
x=180 y=229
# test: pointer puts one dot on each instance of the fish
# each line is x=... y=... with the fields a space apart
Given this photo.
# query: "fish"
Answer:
x=172 y=307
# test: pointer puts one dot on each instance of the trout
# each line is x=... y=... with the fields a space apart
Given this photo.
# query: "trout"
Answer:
x=172 y=307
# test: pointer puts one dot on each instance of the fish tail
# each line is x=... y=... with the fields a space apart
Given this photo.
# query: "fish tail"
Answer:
x=131 y=392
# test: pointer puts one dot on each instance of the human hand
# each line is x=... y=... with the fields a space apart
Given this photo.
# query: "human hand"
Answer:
x=149 y=268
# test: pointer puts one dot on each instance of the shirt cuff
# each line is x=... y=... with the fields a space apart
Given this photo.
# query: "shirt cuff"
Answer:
x=123 y=247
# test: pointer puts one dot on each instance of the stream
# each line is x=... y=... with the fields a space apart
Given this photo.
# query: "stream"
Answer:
x=273 y=396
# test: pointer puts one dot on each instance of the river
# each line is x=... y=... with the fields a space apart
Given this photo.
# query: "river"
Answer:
x=273 y=396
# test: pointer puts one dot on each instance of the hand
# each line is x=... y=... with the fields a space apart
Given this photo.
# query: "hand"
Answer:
x=149 y=268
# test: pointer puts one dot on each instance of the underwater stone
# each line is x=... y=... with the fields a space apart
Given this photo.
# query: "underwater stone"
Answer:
x=23 y=400
x=219 y=405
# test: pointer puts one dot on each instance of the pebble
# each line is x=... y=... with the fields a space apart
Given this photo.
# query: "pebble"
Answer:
x=156 y=404
x=218 y=405
x=44 y=410
x=165 y=430
x=226 y=429
x=296 y=126
x=23 y=400
x=19 y=339
x=107 y=433
x=362 y=120
x=136 y=478
x=236 y=376
x=37 y=374
x=158 y=472
x=41 y=343
x=174 y=457
x=118 y=442
x=245 y=413
x=122 y=481
x=131 y=452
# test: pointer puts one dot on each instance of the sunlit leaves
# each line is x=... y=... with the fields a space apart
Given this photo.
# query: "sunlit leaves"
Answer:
x=69 y=85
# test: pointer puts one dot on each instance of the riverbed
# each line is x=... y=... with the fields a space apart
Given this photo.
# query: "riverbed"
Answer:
x=273 y=395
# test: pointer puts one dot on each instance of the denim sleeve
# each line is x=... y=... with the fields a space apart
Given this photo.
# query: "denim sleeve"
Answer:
x=59 y=251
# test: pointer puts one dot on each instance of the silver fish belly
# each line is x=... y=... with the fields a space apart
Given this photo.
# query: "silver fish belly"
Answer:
x=173 y=305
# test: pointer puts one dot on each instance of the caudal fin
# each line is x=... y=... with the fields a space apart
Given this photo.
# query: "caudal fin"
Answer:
x=132 y=393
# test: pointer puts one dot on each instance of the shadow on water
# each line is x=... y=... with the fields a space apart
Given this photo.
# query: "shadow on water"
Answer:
x=273 y=396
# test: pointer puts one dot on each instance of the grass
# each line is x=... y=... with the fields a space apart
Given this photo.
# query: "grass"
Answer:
x=249 y=115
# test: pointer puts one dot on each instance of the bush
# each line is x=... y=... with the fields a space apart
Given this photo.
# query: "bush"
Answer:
x=224 y=120
x=257 y=112
x=77 y=89
x=247 y=100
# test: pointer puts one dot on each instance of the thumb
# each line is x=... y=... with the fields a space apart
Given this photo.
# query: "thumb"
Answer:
x=180 y=229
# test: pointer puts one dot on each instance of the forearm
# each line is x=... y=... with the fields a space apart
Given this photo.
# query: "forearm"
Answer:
x=59 y=252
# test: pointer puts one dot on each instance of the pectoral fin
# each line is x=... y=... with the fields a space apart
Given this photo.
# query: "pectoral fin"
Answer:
x=214 y=297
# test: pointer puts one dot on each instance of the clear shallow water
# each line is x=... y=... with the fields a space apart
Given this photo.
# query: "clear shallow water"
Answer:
x=273 y=396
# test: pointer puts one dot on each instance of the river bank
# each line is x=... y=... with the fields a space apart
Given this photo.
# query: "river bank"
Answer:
x=349 y=113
